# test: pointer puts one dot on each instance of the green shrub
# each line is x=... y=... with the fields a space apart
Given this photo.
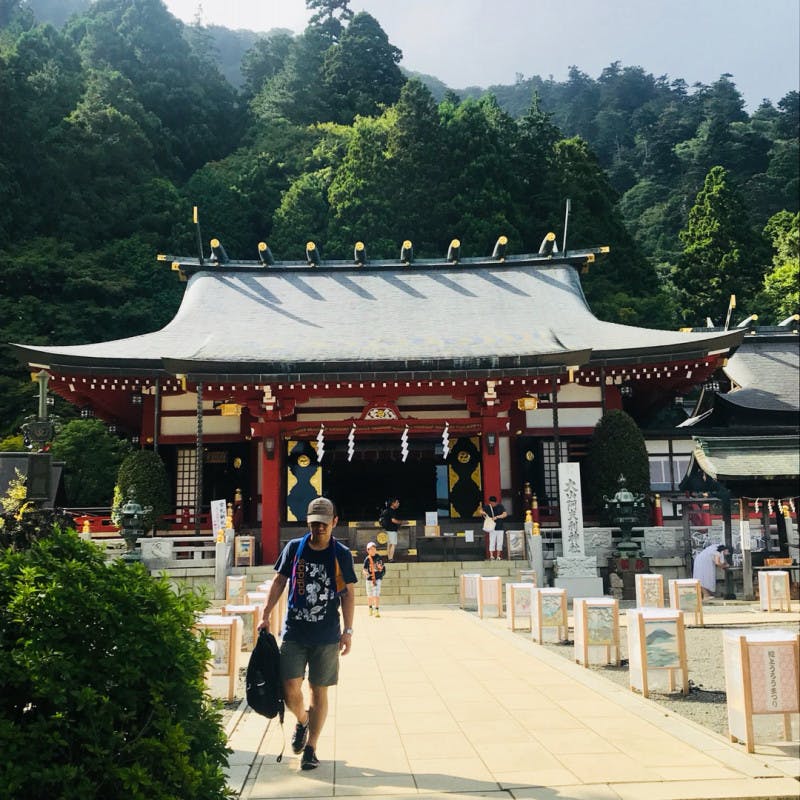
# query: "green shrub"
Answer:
x=91 y=457
x=617 y=448
x=143 y=472
x=101 y=681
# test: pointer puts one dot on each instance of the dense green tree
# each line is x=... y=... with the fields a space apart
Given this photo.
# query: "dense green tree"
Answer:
x=360 y=207
x=360 y=75
x=533 y=159
x=717 y=259
x=480 y=179
x=418 y=159
x=295 y=93
x=781 y=295
x=100 y=669
x=624 y=288
x=40 y=82
x=329 y=14
x=113 y=133
x=196 y=107
x=91 y=457
x=617 y=448
x=52 y=291
x=303 y=216
x=263 y=61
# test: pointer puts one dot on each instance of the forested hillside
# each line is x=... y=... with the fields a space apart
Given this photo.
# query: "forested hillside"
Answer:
x=118 y=119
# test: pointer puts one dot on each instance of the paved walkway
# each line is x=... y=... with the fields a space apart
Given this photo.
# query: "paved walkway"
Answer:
x=435 y=703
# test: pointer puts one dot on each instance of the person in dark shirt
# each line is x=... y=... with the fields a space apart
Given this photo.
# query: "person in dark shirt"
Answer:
x=320 y=574
x=494 y=510
x=374 y=570
x=390 y=523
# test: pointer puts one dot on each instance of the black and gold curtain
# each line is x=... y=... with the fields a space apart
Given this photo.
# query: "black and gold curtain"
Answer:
x=303 y=478
x=464 y=478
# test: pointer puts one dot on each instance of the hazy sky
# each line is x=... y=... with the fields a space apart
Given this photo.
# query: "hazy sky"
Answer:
x=484 y=42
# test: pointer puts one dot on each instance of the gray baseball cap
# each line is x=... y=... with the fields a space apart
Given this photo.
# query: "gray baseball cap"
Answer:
x=320 y=509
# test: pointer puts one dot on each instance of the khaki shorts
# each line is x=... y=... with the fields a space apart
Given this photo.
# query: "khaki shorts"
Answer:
x=392 y=537
x=322 y=661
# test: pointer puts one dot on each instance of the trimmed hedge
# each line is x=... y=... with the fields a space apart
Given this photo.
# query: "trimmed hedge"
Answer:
x=617 y=448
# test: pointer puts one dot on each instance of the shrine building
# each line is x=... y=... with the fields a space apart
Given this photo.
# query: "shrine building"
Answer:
x=441 y=382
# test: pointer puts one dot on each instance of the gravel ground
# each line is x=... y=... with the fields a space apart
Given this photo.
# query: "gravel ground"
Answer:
x=706 y=702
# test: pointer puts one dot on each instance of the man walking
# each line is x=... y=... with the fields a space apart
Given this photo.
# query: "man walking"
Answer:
x=320 y=574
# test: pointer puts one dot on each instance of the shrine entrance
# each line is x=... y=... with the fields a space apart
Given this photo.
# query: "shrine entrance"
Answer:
x=362 y=485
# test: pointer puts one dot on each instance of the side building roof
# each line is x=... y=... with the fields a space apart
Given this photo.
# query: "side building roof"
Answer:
x=419 y=321
x=747 y=457
x=766 y=371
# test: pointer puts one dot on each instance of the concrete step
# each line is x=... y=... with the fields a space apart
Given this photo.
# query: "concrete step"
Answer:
x=413 y=582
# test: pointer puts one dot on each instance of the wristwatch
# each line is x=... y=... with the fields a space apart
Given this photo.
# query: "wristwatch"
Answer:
x=348 y=631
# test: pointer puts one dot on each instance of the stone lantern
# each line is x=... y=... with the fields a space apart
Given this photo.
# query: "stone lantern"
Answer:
x=624 y=509
x=132 y=517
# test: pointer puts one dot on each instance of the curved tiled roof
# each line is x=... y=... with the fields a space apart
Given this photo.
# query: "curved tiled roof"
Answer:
x=501 y=316
x=766 y=370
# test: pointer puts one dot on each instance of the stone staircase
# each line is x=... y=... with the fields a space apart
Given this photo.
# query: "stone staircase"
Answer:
x=407 y=583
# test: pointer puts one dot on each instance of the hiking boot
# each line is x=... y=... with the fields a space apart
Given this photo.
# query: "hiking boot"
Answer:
x=309 y=759
x=370 y=610
x=377 y=613
x=300 y=735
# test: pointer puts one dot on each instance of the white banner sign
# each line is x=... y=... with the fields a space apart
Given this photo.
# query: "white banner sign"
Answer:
x=218 y=508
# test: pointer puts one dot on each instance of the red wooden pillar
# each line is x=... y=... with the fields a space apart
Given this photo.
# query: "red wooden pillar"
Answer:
x=271 y=474
x=658 y=514
x=490 y=460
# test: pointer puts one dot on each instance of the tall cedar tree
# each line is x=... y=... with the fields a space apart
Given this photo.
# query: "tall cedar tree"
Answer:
x=717 y=259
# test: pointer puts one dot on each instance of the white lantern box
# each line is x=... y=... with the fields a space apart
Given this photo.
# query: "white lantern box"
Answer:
x=468 y=591
x=226 y=635
x=687 y=595
x=518 y=605
x=490 y=596
x=548 y=614
x=235 y=588
x=596 y=630
x=657 y=650
x=251 y=615
x=773 y=590
x=762 y=682
x=649 y=590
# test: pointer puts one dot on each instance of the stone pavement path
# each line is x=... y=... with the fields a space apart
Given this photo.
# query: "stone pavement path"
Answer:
x=434 y=702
